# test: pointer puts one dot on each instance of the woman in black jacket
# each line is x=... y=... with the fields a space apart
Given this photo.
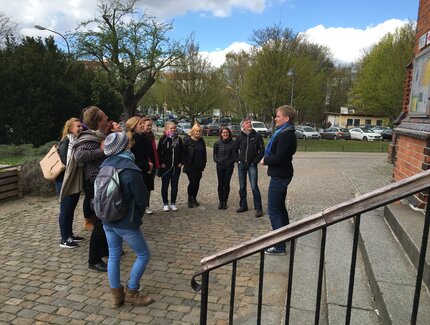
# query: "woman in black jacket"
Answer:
x=224 y=156
x=195 y=158
x=170 y=151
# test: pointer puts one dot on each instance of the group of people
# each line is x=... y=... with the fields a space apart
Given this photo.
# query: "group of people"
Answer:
x=92 y=142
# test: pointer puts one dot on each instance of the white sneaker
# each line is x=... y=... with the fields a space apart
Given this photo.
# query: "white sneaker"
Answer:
x=148 y=211
x=165 y=208
x=173 y=207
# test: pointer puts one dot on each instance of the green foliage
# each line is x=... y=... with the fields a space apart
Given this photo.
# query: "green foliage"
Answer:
x=196 y=87
x=381 y=73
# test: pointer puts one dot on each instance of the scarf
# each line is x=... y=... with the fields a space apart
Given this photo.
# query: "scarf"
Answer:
x=272 y=139
x=72 y=141
x=127 y=154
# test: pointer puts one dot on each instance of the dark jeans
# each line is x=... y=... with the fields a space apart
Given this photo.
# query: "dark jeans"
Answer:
x=170 y=177
x=98 y=243
x=194 y=177
x=276 y=207
x=252 y=171
x=86 y=204
x=67 y=212
x=224 y=177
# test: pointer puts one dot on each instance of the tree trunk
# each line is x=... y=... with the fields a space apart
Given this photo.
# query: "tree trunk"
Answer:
x=129 y=103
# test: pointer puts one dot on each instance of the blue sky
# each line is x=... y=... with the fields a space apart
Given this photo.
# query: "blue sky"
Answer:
x=346 y=27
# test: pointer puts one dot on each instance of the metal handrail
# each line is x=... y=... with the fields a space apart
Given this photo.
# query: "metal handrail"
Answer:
x=348 y=209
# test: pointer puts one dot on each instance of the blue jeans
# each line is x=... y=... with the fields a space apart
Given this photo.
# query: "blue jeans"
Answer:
x=171 y=176
x=252 y=171
x=276 y=207
x=134 y=238
x=67 y=212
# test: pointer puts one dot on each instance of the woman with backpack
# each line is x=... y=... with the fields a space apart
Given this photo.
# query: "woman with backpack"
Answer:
x=72 y=129
x=170 y=151
x=126 y=228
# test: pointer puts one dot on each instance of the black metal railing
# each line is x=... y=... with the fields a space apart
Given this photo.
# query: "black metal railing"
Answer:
x=353 y=208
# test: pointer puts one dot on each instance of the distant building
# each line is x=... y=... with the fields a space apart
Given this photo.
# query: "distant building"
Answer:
x=347 y=118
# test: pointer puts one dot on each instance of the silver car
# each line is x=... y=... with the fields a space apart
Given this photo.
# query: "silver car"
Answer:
x=308 y=132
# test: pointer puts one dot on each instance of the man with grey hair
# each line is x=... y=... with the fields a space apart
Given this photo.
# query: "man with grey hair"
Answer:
x=250 y=149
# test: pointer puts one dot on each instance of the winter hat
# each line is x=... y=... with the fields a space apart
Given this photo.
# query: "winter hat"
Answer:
x=115 y=143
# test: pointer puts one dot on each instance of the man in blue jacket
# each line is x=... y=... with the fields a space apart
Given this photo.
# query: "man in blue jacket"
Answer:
x=278 y=156
x=128 y=228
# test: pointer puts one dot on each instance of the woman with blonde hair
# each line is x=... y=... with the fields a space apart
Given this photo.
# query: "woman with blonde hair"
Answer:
x=71 y=130
x=170 y=149
x=195 y=158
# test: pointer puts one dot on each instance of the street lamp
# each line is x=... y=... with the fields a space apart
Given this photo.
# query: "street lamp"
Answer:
x=291 y=74
x=53 y=31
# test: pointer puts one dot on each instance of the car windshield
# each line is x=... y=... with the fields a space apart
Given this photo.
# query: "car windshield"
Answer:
x=343 y=130
x=185 y=125
x=368 y=131
x=258 y=125
x=308 y=129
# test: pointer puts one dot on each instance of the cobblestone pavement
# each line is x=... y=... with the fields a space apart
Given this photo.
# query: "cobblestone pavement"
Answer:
x=40 y=282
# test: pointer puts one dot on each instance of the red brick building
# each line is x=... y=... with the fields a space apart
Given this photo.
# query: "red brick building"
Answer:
x=410 y=149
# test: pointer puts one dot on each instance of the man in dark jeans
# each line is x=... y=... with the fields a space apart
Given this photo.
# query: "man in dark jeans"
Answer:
x=250 y=149
x=279 y=159
x=89 y=150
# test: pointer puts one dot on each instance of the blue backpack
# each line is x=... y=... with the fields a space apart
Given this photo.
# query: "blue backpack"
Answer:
x=108 y=202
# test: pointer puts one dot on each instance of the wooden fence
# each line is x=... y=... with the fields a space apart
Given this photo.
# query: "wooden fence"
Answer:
x=10 y=182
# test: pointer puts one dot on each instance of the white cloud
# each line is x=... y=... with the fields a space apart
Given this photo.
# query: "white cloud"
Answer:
x=217 y=58
x=347 y=44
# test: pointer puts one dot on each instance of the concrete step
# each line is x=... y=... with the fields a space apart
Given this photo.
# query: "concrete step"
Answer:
x=407 y=224
x=390 y=272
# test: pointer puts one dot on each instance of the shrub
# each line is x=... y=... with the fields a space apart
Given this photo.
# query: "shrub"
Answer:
x=33 y=180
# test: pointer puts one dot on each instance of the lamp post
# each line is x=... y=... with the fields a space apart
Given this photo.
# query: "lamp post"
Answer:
x=291 y=74
x=53 y=31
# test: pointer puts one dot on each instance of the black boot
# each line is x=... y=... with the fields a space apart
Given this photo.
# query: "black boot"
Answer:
x=190 y=203
x=195 y=202
x=225 y=205
x=221 y=205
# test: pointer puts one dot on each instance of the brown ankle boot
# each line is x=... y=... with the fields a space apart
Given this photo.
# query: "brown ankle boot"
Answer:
x=88 y=224
x=117 y=297
x=135 y=297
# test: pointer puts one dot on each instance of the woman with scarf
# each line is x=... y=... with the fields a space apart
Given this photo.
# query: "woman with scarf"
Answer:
x=72 y=129
x=194 y=162
x=170 y=151
x=278 y=156
x=224 y=156
x=153 y=162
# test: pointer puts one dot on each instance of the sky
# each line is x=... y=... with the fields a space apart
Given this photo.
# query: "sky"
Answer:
x=346 y=27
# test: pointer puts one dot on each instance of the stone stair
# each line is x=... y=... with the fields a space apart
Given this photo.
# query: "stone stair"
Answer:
x=384 y=279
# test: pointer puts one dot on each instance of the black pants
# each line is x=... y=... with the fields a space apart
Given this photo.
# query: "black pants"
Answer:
x=98 y=243
x=224 y=177
x=194 y=177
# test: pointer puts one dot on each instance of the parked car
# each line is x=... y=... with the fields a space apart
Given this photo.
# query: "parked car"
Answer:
x=299 y=134
x=364 y=134
x=260 y=128
x=160 y=122
x=379 y=129
x=235 y=129
x=387 y=134
x=335 y=133
x=184 y=127
x=308 y=132
x=211 y=129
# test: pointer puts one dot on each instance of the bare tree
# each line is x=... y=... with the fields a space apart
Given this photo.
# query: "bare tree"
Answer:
x=131 y=46
x=8 y=29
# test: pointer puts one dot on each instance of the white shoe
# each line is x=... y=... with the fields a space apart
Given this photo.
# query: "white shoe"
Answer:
x=173 y=207
x=148 y=211
x=165 y=208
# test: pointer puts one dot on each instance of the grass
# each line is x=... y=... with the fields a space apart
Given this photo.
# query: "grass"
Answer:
x=16 y=155
x=328 y=145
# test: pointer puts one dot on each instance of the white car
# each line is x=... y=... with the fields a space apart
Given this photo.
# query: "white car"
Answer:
x=364 y=134
x=261 y=128
x=185 y=127
x=308 y=132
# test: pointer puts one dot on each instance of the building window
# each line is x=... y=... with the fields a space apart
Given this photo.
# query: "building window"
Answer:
x=368 y=122
x=418 y=104
x=357 y=122
x=349 y=122
x=379 y=122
